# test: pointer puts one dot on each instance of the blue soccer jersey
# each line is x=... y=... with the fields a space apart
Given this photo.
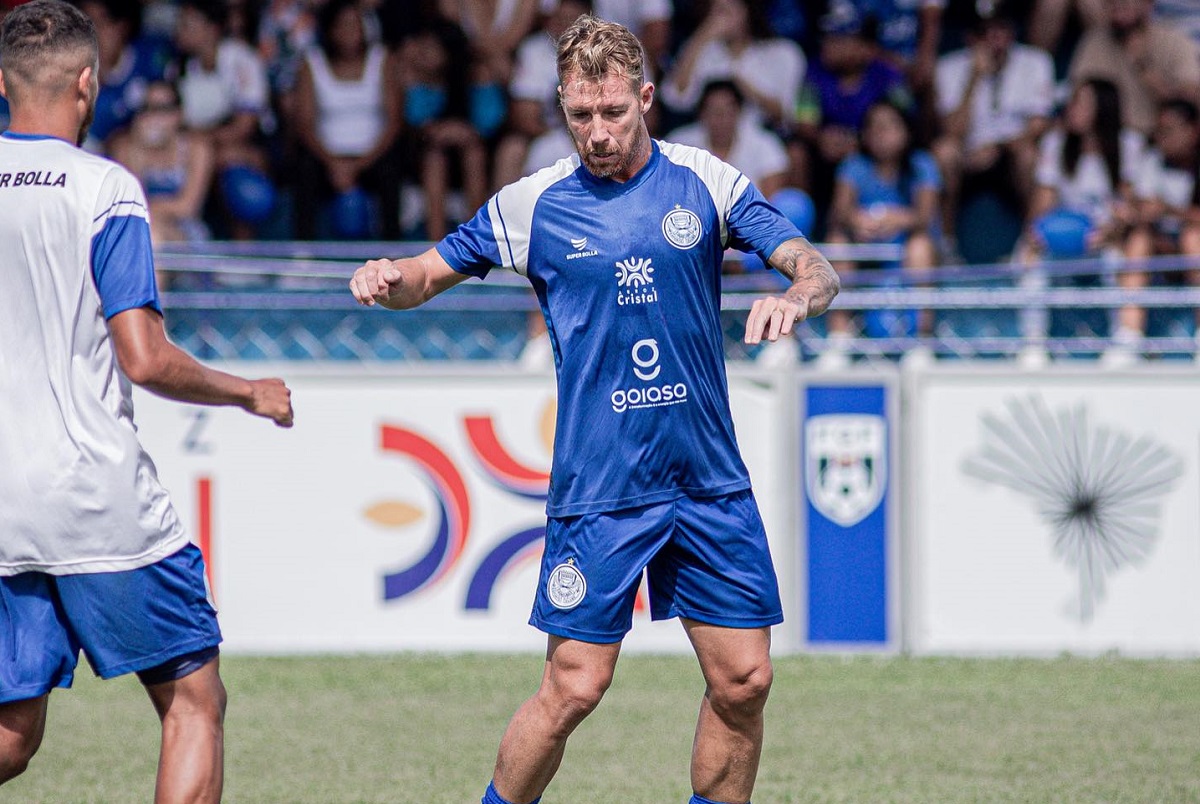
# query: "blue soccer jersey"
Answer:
x=628 y=276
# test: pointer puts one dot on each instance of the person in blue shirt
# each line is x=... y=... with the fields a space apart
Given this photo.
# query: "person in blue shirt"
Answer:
x=887 y=192
x=622 y=244
x=129 y=63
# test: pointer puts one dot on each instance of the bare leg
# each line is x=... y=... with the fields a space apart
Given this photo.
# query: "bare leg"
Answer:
x=22 y=724
x=838 y=320
x=510 y=159
x=576 y=677
x=949 y=155
x=475 y=173
x=921 y=255
x=191 y=763
x=1138 y=246
x=736 y=663
x=1189 y=245
x=433 y=182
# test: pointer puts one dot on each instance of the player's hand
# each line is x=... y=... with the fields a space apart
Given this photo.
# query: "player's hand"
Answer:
x=271 y=399
x=773 y=316
x=374 y=282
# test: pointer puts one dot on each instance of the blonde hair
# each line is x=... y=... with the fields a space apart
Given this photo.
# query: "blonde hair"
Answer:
x=592 y=49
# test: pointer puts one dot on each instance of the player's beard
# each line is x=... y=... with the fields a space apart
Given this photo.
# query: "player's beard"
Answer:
x=604 y=170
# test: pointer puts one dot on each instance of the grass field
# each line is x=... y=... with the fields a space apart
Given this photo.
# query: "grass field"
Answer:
x=421 y=728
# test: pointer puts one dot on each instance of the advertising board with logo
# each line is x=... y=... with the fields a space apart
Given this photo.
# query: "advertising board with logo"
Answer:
x=1054 y=512
x=849 y=541
x=404 y=510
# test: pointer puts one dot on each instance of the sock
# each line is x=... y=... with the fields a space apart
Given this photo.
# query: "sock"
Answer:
x=492 y=797
x=699 y=799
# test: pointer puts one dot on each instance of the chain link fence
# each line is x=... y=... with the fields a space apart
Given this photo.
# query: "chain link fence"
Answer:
x=290 y=301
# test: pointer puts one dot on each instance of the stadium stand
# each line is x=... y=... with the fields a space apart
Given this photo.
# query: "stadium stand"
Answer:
x=1012 y=278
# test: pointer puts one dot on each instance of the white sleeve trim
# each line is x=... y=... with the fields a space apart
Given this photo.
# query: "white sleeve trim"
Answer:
x=511 y=212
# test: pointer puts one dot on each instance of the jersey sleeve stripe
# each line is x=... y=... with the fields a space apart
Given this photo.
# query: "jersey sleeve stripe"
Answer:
x=500 y=227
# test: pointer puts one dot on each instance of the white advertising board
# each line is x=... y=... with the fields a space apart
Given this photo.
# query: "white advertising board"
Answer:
x=1053 y=511
x=403 y=511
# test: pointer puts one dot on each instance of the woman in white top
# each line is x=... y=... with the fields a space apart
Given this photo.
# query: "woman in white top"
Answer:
x=735 y=42
x=348 y=119
x=1088 y=164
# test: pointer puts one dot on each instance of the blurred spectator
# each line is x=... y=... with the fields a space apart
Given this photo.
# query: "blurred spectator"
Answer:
x=287 y=30
x=1182 y=15
x=439 y=136
x=494 y=29
x=1087 y=167
x=348 y=120
x=846 y=80
x=223 y=86
x=533 y=91
x=886 y=193
x=909 y=33
x=650 y=21
x=723 y=131
x=175 y=166
x=1148 y=61
x=1167 y=219
x=734 y=41
x=994 y=99
x=127 y=65
x=1048 y=22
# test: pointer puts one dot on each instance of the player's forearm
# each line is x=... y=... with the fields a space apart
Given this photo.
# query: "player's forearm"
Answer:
x=813 y=279
x=173 y=374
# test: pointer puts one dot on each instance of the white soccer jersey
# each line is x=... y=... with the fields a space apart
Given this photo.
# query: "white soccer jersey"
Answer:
x=77 y=492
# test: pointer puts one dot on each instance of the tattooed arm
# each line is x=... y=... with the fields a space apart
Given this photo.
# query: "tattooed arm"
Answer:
x=814 y=284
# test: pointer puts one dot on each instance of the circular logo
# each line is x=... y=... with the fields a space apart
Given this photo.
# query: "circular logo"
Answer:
x=681 y=227
x=566 y=586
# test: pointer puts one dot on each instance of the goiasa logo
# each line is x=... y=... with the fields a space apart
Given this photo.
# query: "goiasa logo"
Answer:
x=645 y=356
x=634 y=280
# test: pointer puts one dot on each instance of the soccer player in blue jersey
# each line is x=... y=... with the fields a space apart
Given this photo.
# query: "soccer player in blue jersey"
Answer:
x=622 y=244
x=92 y=554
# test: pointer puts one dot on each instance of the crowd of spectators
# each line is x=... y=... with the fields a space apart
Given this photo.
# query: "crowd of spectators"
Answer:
x=959 y=131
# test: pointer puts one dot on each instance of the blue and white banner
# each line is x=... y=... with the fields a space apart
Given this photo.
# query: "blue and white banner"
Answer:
x=847 y=536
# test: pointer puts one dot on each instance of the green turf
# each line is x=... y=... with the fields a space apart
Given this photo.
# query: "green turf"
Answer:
x=422 y=729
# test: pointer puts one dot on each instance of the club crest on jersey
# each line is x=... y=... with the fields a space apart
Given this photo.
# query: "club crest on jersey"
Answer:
x=580 y=244
x=845 y=465
x=681 y=227
x=566 y=585
x=634 y=280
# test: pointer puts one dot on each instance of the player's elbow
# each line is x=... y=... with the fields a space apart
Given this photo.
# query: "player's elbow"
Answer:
x=140 y=367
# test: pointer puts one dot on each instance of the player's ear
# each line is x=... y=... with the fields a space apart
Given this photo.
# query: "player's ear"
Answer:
x=84 y=83
x=647 y=96
x=3 y=88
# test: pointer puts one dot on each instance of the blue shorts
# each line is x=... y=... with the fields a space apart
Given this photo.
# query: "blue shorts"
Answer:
x=706 y=559
x=155 y=621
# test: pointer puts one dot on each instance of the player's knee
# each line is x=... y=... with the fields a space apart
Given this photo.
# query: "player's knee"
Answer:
x=576 y=695
x=16 y=750
x=742 y=694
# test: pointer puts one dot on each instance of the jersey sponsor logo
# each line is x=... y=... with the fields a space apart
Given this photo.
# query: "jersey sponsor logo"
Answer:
x=846 y=465
x=33 y=178
x=645 y=357
x=633 y=281
x=566 y=586
x=681 y=227
x=581 y=250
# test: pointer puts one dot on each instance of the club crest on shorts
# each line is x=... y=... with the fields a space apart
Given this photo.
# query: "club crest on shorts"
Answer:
x=681 y=227
x=566 y=585
x=845 y=465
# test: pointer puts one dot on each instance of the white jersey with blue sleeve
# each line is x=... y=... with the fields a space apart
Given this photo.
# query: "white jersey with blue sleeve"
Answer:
x=628 y=276
x=78 y=493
